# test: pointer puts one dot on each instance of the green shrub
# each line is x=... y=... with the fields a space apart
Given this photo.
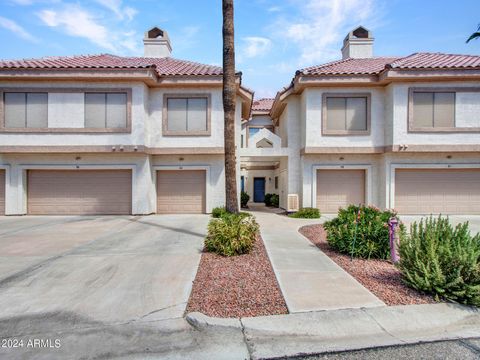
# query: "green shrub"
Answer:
x=244 y=197
x=271 y=200
x=232 y=234
x=441 y=260
x=275 y=200
x=219 y=211
x=268 y=199
x=372 y=240
x=306 y=213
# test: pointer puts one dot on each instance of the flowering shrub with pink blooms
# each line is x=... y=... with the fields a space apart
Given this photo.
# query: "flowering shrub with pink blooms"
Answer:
x=372 y=237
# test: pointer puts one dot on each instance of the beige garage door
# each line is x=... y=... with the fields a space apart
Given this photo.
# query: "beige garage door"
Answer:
x=339 y=188
x=79 y=192
x=181 y=192
x=446 y=191
x=2 y=192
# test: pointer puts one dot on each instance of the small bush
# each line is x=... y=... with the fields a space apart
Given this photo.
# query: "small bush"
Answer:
x=219 y=211
x=372 y=240
x=275 y=200
x=306 y=213
x=232 y=234
x=268 y=199
x=271 y=200
x=441 y=260
x=244 y=197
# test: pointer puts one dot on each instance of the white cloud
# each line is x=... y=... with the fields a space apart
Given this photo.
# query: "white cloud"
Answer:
x=319 y=29
x=16 y=29
x=116 y=6
x=274 y=9
x=254 y=46
x=79 y=22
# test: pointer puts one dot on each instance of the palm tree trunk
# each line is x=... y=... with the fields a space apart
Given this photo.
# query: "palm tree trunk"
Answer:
x=229 y=93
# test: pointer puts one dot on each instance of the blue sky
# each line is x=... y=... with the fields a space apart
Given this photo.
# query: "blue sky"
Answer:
x=273 y=37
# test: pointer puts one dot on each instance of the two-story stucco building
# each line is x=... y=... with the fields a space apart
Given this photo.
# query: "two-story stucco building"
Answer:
x=396 y=132
x=105 y=134
x=138 y=135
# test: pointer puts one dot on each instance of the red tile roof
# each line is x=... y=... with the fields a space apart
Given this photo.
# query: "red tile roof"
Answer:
x=262 y=104
x=369 y=66
x=436 y=61
x=373 y=66
x=163 y=66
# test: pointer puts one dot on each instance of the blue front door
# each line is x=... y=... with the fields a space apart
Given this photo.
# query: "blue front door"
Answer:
x=259 y=189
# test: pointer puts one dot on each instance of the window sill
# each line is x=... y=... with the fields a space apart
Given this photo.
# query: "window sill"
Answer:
x=445 y=130
x=345 y=133
x=66 y=130
x=187 y=133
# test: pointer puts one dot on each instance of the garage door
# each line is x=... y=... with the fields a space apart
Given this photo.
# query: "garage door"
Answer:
x=339 y=188
x=2 y=192
x=446 y=191
x=79 y=192
x=181 y=192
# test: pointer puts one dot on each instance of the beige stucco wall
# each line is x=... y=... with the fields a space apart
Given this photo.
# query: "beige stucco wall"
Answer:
x=313 y=119
x=75 y=109
x=400 y=134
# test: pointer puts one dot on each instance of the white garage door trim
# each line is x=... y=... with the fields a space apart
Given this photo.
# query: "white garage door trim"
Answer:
x=368 y=178
x=393 y=167
x=23 y=168
x=6 y=169
x=208 y=188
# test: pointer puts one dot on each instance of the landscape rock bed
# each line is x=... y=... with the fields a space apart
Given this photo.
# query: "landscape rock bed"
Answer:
x=381 y=277
x=237 y=286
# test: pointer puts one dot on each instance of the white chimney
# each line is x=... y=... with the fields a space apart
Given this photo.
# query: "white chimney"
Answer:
x=156 y=43
x=358 y=44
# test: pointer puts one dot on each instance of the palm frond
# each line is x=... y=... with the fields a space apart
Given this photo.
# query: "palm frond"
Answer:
x=475 y=35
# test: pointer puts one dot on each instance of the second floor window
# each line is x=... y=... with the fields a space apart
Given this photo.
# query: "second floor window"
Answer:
x=26 y=110
x=105 y=110
x=186 y=116
x=433 y=110
x=346 y=114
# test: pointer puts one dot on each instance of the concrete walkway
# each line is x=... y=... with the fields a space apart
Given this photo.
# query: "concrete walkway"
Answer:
x=309 y=280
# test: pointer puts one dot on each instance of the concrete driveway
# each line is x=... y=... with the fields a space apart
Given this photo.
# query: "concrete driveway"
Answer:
x=106 y=269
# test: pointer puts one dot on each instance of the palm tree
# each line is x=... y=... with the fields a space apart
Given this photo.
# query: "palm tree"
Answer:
x=475 y=35
x=229 y=94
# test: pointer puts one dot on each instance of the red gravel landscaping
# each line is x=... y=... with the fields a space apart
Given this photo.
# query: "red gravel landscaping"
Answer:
x=237 y=286
x=381 y=277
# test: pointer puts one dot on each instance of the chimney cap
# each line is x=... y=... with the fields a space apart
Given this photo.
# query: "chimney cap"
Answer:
x=155 y=33
x=360 y=32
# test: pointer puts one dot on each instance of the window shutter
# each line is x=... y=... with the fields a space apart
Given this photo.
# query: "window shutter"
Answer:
x=423 y=109
x=37 y=113
x=15 y=110
x=336 y=113
x=197 y=114
x=95 y=110
x=116 y=110
x=356 y=113
x=444 y=110
x=177 y=114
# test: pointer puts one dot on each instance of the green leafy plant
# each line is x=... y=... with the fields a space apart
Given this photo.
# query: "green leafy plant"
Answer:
x=271 y=200
x=231 y=234
x=219 y=212
x=275 y=200
x=442 y=260
x=372 y=237
x=306 y=213
x=244 y=197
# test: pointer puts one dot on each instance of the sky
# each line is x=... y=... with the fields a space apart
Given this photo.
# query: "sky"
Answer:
x=273 y=38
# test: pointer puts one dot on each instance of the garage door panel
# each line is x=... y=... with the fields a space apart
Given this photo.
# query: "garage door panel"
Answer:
x=339 y=188
x=81 y=192
x=447 y=191
x=181 y=191
x=2 y=192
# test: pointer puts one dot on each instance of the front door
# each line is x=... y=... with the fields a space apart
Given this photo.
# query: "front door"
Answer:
x=259 y=190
